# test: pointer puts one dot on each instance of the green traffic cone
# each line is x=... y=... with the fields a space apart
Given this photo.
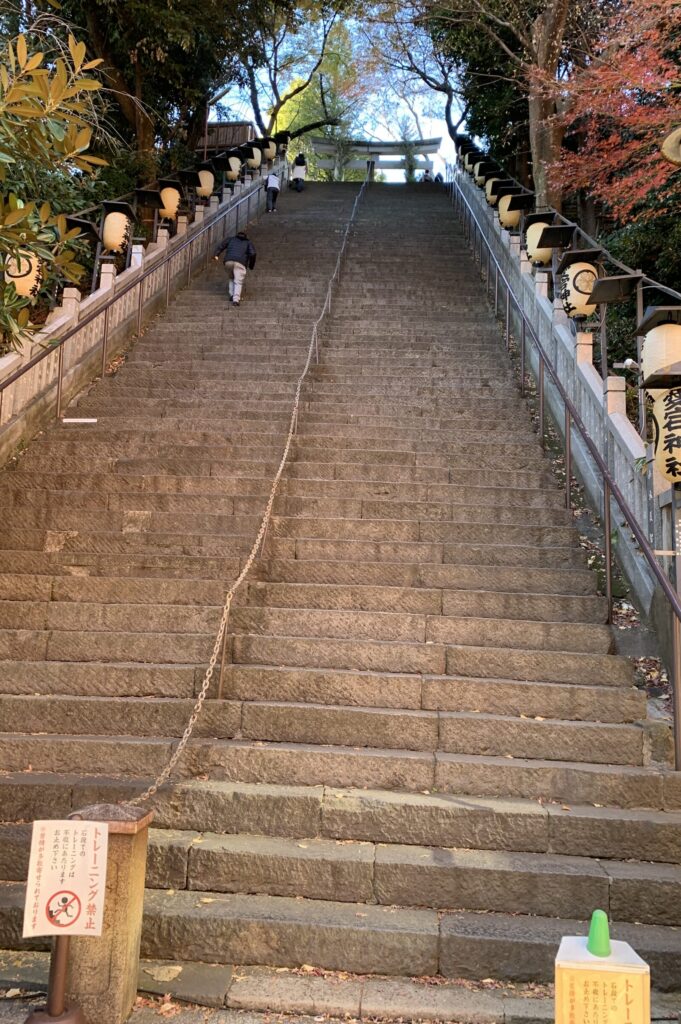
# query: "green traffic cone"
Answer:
x=598 y=942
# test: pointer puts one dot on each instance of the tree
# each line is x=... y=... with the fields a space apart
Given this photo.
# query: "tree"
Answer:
x=46 y=125
x=285 y=58
x=337 y=95
x=164 y=61
x=621 y=105
x=413 y=65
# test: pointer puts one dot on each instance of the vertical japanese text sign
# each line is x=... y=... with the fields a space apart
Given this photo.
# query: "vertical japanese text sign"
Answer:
x=66 y=878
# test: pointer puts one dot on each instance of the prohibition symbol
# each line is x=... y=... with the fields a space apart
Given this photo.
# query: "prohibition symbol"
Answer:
x=63 y=909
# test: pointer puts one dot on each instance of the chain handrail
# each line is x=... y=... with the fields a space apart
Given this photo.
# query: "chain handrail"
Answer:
x=313 y=348
x=610 y=487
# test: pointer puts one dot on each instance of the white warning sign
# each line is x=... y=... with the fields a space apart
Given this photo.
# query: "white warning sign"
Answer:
x=66 y=878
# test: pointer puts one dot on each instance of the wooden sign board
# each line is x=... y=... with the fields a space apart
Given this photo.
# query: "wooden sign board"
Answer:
x=66 y=878
x=601 y=990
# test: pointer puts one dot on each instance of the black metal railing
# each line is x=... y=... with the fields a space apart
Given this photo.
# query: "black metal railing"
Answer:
x=477 y=237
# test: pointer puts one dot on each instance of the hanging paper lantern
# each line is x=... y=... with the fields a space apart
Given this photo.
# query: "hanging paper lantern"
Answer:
x=661 y=348
x=470 y=160
x=270 y=150
x=477 y=176
x=667 y=423
x=508 y=219
x=205 y=189
x=25 y=272
x=255 y=159
x=491 y=199
x=671 y=147
x=234 y=167
x=171 y=200
x=538 y=257
x=577 y=281
x=116 y=232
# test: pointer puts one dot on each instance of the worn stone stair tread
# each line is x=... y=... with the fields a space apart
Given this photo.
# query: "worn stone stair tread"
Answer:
x=446 y=693
x=109 y=679
x=544 y=884
x=525 y=949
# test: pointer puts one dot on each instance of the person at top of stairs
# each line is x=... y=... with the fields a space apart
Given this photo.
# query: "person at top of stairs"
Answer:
x=239 y=258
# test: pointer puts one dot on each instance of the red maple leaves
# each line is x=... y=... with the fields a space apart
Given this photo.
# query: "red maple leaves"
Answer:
x=621 y=106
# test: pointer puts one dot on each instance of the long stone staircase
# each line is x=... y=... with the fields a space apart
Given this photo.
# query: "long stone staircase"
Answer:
x=427 y=759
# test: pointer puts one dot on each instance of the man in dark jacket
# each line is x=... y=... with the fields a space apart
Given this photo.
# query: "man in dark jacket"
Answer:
x=239 y=257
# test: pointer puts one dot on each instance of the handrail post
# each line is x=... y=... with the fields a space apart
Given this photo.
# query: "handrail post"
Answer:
x=105 y=339
x=167 y=283
x=568 y=458
x=508 y=318
x=522 y=356
x=189 y=263
x=608 y=546
x=496 y=289
x=140 y=306
x=60 y=374
x=489 y=269
x=540 y=388
x=675 y=672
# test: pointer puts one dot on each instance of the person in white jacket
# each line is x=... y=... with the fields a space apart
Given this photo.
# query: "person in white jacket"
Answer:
x=272 y=187
x=299 y=171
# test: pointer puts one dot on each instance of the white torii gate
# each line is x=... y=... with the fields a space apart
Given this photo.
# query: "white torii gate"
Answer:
x=366 y=154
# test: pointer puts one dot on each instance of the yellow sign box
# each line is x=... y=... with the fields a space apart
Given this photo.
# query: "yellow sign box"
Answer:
x=590 y=989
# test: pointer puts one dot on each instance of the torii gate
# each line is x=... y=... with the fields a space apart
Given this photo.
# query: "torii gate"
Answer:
x=366 y=154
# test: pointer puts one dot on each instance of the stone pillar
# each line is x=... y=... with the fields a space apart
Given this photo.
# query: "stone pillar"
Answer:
x=182 y=222
x=68 y=307
x=107 y=275
x=102 y=972
x=137 y=256
x=199 y=214
x=584 y=347
x=215 y=202
x=614 y=389
x=541 y=285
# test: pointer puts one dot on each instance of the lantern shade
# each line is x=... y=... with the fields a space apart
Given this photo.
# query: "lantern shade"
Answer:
x=171 y=196
x=671 y=147
x=556 y=236
x=508 y=218
x=471 y=158
x=271 y=149
x=577 y=281
x=491 y=196
x=578 y=256
x=614 y=289
x=537 y=256
x=149 y=197
x=189 y=177
x=86 y=228
x=655 y=315
x=116 y=231
x=25 y=272
x=661 y=355
x=667 y=422
x=207 y=179
x=482 y=169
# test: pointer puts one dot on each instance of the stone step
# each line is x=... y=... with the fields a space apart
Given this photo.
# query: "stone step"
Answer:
x=452 y=732
x=474 y=603
x=456 y=577
x=115 y=617
x=432 y=659
x=91 y=679
x=289 y=932
x=569 y=702
x=416 y=553
x=103 y=646
x=583 y=637
x=144 y=564
x=116 y=716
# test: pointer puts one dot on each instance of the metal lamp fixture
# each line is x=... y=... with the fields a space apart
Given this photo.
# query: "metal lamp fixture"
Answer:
x=25 y=272
x=282 y=140
x=535 y=224
x=481 y=171
x=578 y=272
x=512 y=202
x=493 y=186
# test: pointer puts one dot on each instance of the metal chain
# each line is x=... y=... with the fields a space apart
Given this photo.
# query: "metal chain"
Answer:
x=163 y=777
